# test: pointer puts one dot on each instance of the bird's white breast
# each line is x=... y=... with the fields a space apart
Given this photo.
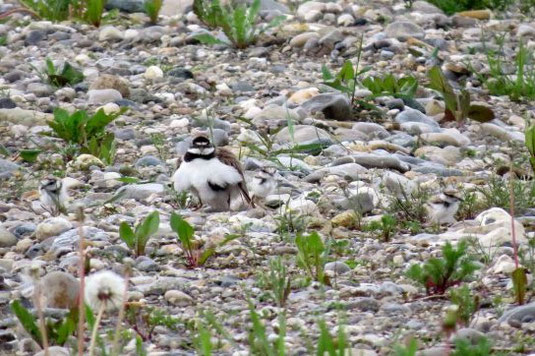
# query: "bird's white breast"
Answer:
x=198 y=172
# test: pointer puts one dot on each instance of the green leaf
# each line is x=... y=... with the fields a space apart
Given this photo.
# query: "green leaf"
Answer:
x=183 y=229
x=127 y=235
x=464 y=103
x=326 y=73
x=148 y=227
x=128 y=180
x=29 y=155
x=520 y=282
x=4 y=151
x=27 y=320
x=71 y=74
x=239 y=22
x=346 y=73
x=207 y=38
x=480 y=113
x=439 y=83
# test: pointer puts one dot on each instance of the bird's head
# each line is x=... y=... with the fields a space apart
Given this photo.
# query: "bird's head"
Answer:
x=201 y=145
x=50 y=184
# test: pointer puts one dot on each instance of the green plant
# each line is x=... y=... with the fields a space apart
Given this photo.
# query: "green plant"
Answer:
x=452 y=6
x=67 y=75
x=196 y=255
x=57 y=331
x=152 y=8
x=520 y=84
x=311 y=256
x=497 y=194
x=439 y=274
x=259 y=343
x=387 y=227
x=137 y=239
x=530 y=144
x=464 y=347
x=144 y=320
x=458 y=107
x=403 y=88
x=347 y=79
x=278 y=280
x=93 y=11
x=238 y=22
x=467 y=304
x=84 y=133
x=54 y=10
x=408 y=350
x=410 y=206
x=328 y=345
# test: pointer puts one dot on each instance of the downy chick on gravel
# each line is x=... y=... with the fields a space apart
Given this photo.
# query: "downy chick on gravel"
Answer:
x=442 y=208
x=213 y=174
x=53 y=195
x=262 y=184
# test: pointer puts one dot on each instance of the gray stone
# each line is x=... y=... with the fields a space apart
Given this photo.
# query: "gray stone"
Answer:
x=371 y=160
x=125 y=134
x=103 y=96
x=14 y=76
x=411 y=115
x=7 y=239
x=129 y=6
x=337 y=267
x=361 y=201
x=7 y=167
x=52 y=227
x=34 y=37
x=40 y=89
x=303 y=134
x=146 y=264
x=68 y=241
x=24 y=229
x=403 y=30
x=425 y=7
x=147 y=161
x=162 y=285
x=352 y=171
x=108 y=81
x=365 y=304
x=181 y=73
x=469 y=334
x=140 y=191
x=54 y=351
x=372 y=130
x=519 y=314
x=334 y=106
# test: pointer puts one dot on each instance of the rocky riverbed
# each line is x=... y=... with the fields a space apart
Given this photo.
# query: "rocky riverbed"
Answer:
x=338 y=167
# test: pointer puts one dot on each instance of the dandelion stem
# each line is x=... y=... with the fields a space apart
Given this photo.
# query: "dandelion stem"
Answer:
x=42 y=326
x=115 y=347
x=95 y=329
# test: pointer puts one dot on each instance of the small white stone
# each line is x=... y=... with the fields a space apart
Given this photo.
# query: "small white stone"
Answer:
x=179 y=123
x=153 y=72
x=223 y=89
x=82 y=58
x=345 y=20
x=110 y=108
x=131 y=34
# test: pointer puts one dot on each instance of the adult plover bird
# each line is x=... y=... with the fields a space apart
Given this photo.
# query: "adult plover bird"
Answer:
x=262 y=183
x=53 y=195
x=442 y=208
x=213 y=174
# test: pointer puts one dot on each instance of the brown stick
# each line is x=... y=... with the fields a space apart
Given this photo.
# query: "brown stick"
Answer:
x=19 y=9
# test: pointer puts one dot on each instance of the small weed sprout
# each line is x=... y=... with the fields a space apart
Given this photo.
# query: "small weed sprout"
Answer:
x=238 y=22
x=467 y=303
x=137 y=239
x=385 y=228
x=67 y=75
x=195 y=255
x=312 y=255
x=439 y=274
x=278 y=280
x=408 y=350
x=458 y=106
x=152 y=8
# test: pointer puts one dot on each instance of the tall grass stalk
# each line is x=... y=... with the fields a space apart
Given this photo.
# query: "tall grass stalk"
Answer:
x=81 y=274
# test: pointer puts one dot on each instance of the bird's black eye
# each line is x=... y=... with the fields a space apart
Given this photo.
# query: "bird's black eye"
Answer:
x=201 y=141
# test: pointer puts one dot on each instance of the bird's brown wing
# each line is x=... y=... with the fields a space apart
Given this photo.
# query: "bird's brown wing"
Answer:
x=228 y=158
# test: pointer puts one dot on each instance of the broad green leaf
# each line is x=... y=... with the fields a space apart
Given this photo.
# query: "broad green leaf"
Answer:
x=29 y=155
x=98 y=122
x=71 y=74
x=439 y=83
x=183 y=229
x=480 y=113
x=127 y=235
x=239 y=19
x=520 y=282
x=27 y=320
x=149 y=226
x=253 y=12
x=207 y=38
x=51 y=70
x=347 y=72
x=530 y=139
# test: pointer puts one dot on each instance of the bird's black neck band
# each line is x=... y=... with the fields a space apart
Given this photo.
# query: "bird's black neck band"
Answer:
x=191 y=156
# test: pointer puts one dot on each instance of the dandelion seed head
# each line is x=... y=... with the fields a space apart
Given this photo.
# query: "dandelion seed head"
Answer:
x=104 y=289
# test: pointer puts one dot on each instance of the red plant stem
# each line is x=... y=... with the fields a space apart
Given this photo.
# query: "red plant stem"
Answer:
x=81 y=273
x=512 y=212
